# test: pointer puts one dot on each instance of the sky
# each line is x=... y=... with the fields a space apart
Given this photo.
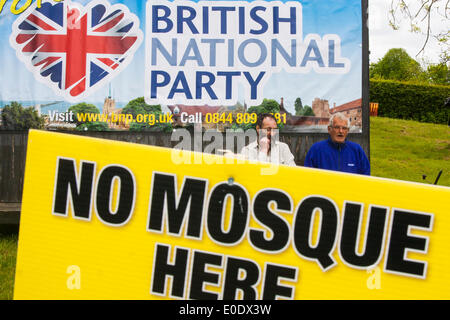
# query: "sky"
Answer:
x=382 y=37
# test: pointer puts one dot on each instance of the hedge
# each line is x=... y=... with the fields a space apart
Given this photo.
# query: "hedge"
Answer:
x=412 y=101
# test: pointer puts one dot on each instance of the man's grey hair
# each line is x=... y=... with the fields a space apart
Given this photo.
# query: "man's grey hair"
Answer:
x=340 y=116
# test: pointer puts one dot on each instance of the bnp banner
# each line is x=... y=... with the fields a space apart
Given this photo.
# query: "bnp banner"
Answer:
x=97 y=65
x=115 y=220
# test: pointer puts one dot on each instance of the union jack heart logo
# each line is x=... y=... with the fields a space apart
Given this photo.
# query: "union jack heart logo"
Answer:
x=74 y=49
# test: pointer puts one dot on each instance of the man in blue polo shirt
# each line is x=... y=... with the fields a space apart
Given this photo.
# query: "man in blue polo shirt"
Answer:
x=336 y=153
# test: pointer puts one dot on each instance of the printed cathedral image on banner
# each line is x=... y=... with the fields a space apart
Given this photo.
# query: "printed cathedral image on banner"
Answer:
x=140 y=65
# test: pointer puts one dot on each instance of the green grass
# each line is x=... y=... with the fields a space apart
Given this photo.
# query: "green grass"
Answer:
x=8 y=253
x=400 y=149
x=406 y=150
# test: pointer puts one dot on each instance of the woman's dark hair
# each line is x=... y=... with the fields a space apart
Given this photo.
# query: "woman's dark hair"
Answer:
x=262 y=116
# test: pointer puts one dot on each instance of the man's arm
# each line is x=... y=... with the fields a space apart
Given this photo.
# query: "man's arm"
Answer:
x=309 y=159
x=365 y=164
x=288 y=157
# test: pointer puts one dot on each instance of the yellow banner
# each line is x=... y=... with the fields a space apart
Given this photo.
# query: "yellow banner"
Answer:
x=112 y=220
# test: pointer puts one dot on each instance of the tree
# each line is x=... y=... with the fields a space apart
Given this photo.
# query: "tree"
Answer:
x=308 y=111
x=267 y=106
x=82 y=108
x=16 y=117
x=298 y=107
x=164 y=127
x=93 y=126
x=138 y=106
x=396 y=65
x=83 y=125
x=438 y=74
x=419 y=14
